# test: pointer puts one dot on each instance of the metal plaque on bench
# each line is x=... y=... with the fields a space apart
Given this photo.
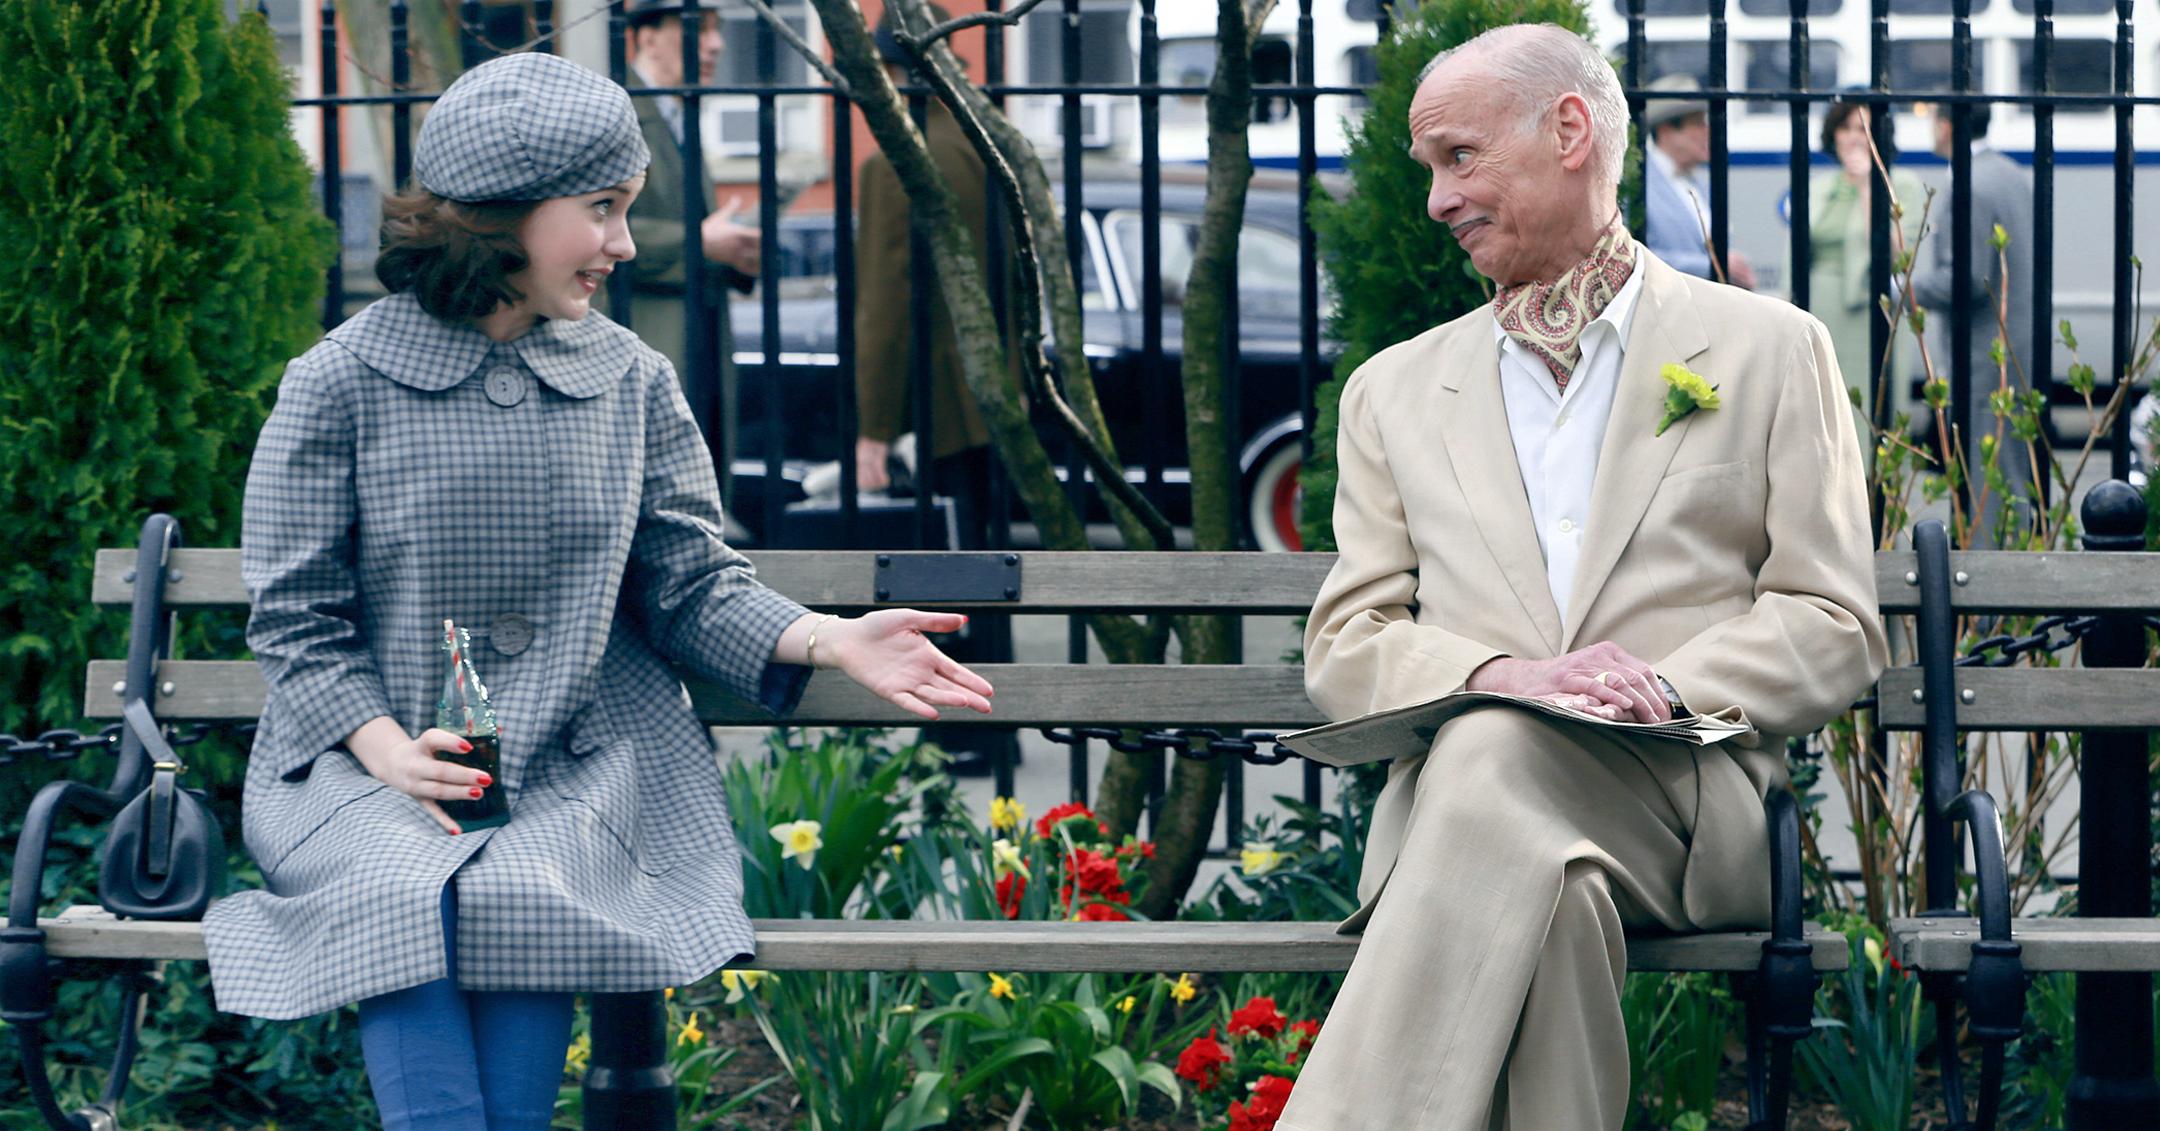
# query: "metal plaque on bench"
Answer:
x=946 y=578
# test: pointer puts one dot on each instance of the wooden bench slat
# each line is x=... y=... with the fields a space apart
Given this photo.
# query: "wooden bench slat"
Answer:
x=934 y=945
x=2032 y=698
x=1051 y=581
x=1255 y=695
x=2013 y=581
x=2101 y=945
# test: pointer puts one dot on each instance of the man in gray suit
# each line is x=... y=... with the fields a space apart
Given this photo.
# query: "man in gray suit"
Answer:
x=2001 y=198
x=729 y=253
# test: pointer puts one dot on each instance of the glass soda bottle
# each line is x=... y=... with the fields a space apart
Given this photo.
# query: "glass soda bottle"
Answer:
x=464 y=710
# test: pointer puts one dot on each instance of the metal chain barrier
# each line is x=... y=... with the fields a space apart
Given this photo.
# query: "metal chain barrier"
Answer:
x=68 y=745
x=1200 y=744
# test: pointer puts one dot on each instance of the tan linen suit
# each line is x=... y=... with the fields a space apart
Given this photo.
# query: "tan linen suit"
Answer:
x=1732 y=554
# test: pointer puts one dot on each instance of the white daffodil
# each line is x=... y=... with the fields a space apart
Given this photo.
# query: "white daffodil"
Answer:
x=800 y=842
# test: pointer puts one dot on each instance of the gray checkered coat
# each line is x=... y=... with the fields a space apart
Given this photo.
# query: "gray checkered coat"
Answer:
x=553 y=494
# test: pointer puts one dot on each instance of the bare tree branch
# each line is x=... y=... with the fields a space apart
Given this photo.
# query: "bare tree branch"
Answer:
x=941 y=70
x=979 y=19
x=802 y=47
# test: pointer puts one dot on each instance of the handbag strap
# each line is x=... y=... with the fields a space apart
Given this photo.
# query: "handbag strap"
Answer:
x=164 y=786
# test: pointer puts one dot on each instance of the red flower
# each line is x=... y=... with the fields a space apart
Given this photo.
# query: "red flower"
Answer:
x=1202 y=1062
x=1259 y=1018
x=1102 y=913
x=1046 y=825
x=1269 y=1096
x=1097 y=874
x=1009 y=891
x=1302 y=1034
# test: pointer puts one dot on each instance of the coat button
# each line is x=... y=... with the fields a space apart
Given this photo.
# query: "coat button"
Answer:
x=506 y=386
x=511 y=634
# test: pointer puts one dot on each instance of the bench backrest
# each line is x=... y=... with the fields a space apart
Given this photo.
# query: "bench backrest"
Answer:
x=1256 y=695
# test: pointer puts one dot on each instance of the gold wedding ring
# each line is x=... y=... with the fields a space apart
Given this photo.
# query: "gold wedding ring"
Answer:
x=1601 y=679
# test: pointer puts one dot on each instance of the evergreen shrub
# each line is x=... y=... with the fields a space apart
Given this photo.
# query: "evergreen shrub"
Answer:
x=1394 y=273
x=161 y=256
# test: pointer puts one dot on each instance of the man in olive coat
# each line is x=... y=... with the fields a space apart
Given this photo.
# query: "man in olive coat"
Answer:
x=728 y=252
x=887 y=316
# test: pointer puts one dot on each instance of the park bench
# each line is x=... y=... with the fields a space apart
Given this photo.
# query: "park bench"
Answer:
x=1979 y=960
x=1776 y=972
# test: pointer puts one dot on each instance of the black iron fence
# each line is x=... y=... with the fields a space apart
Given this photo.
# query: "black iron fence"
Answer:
x=770 y=372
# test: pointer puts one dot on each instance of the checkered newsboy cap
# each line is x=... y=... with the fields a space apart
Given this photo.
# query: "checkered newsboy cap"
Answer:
x=529 y=126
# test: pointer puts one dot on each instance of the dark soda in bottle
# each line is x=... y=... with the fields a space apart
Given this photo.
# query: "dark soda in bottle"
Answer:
x=464 y=710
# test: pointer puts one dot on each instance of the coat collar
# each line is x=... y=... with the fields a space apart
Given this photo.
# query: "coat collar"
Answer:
x=397 y=339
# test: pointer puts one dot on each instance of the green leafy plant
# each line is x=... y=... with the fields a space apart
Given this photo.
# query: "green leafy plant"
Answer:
x=1677 y=1027
x=849 y=1042
x=161 y=257
x=1863 y=1062
x=857 y=791
x=1055 y=1042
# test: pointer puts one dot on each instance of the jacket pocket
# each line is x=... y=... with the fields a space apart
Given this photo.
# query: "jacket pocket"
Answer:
x=297 y=810
x=1702 y=533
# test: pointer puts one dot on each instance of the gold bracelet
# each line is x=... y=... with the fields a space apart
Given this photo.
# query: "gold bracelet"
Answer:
x=810 y=650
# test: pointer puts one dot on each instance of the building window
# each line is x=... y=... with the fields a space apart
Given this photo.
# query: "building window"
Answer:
x=1783 y=8
x=1107 y=54
x=2082 y=66
x=1769 y=68
x=1922 y=65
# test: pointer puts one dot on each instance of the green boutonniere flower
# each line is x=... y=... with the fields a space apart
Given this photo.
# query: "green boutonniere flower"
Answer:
x=1690 y=391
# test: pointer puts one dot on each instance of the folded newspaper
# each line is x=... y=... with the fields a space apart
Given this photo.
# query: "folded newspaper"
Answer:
x=1407 y=731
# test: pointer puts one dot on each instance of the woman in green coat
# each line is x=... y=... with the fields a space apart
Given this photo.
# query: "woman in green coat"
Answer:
x=1838 y=229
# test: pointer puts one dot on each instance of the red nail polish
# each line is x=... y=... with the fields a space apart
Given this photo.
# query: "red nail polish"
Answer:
x=454 y=832
x=486 y=780
x=476 y=794
x=464 y=747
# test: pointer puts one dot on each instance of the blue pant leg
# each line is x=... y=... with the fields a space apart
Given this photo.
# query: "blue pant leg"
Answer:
x=418 y=1044
x=522 y=1038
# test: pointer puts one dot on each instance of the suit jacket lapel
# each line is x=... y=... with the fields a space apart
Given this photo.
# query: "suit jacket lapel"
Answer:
x=1665 y=329
x=1482 y=450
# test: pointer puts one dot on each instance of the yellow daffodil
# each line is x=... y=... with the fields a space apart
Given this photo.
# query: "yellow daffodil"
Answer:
x=1183 y=990
x=579 y=1053
x=902 y=1010
x=1258 y=858
x=1001 y=986
x=800 y=841
x=691 y=1034
x=740 y=982
x=1126 y=1005
x=1873 y=951
x=1690 y=391
x=1005 y=859
x=1007 y=814
x=668 y=993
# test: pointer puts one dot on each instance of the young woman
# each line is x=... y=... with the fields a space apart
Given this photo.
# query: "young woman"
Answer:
x=479 y=447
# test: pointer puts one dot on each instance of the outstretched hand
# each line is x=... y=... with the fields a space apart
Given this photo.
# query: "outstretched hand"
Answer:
x=1603 y=680
x=887 y=652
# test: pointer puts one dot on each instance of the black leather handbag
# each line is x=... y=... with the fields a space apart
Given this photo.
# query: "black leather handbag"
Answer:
x=165 y=853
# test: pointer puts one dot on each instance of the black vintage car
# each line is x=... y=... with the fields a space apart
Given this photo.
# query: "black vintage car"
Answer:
x=1145 y=410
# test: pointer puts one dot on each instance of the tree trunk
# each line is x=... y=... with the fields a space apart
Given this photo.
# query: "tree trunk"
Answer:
x=967 y=301
x=1188 y=815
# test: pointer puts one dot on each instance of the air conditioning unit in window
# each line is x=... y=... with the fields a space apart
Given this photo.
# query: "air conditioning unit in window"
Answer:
x=738 y=128
x=1098 y=121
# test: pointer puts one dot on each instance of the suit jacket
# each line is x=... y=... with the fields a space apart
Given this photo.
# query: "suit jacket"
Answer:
x=888 y=313
x=1732 y=553
x=551 y=493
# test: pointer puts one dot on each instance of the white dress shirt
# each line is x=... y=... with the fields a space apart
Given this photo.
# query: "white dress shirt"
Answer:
x=670 y=106
x=1558 y=434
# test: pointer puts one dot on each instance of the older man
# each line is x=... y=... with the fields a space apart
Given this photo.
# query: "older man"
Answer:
x=1514 y=515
